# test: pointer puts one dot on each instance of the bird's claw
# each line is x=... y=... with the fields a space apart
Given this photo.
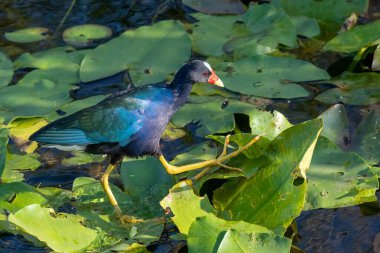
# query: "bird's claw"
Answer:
x=124 y=218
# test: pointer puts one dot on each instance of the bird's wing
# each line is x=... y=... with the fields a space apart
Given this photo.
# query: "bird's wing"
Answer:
x=112 y=120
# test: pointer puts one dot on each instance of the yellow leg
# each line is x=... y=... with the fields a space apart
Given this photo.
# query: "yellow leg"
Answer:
x=107 y=189
x=171 y=169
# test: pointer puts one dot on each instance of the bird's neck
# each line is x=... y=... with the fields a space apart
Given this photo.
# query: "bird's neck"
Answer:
x=182 y=85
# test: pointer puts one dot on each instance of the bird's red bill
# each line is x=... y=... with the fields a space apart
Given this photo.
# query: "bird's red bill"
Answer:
x=214 y=79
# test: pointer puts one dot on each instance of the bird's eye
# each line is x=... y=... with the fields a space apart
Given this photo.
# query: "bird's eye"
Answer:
x=205 y=74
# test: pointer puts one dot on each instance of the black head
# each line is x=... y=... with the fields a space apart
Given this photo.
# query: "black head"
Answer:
x=197 y=71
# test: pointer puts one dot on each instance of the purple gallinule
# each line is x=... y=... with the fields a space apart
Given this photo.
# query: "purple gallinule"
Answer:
x=130 y=123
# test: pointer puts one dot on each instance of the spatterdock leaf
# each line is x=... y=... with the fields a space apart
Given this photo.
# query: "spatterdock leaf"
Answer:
x=186 y=206
x=211 y=234
x=150 y=53
x=61 y=232
x=275 y=195
x=337 y=178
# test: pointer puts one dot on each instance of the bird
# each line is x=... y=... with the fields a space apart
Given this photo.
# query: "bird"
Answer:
x=130 y=123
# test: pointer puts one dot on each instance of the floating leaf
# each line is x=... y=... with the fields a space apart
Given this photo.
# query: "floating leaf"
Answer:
x=376 y=59
x=27 y=35
x=146 y=182
x=323 y=10
x=212 y=116
x=181 y=195
x=211 y=234
x=6 y=70
x=236 y=241
x=270 y=124
x=275 y=195
x=353 y=89
x=3 y=148
x=367 y=137
x=83 y=35
x=305 y=26
x=337 y=178
x=150 y=53
x=335 y=125
x=355 y=38
x=61 y=232
x=216 y=7
x=16 y=163
x=81 y=158
x=258 y=31
x=15 y=196
x=268 y=76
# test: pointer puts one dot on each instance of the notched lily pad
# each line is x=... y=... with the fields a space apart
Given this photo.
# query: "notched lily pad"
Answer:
x=6 y=70
x=83 y=35
x=27 y=35
x=60 y=231
x=268 y=76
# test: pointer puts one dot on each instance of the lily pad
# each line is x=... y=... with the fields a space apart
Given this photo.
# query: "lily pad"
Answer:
x=211 y=234
x=268 y=76
x=337 y=178
x=83 y=35
x=258 y=31
x=181 y=195
x=367 y=137
x=212 y=116
x=6 y=70
x=15 y=164
x=3 y=148
x=355 y=38
x=353 y=89
x=307 y=27
x=216 y=7
x=15 y=196
x=376 y=59
x=146 y=182
x=236 y=241
x=61 y=232
x=270 y=124
x=150 y=53
x=335 y=125
x=274 y=195
x=27 y=35
x=323 y=10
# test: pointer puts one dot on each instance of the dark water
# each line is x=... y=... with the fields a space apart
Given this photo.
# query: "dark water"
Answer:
x=351 y=229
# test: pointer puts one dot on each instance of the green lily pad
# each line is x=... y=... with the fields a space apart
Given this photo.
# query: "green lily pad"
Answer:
x=216 y=7
x=81 y=158
x=150 y=53
x=376 y=59
x=83 y=35
x=236 y=241
x=258 y=31
x=211 y=234
x=146 y=182
x=268 y=76
x=323 y=10
x=17 y=195
x=275 y=195
x=337 y=178
x=6 y=70
x=307 y=27
x=355 y=38
x=335 y=125
x=15 y=164
x=181 y=195
x=353 y=89
x=212 y=117
x=367 y=137
x=61 y=232
x=270 y=124
x=3 y=148
x=27 y=35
